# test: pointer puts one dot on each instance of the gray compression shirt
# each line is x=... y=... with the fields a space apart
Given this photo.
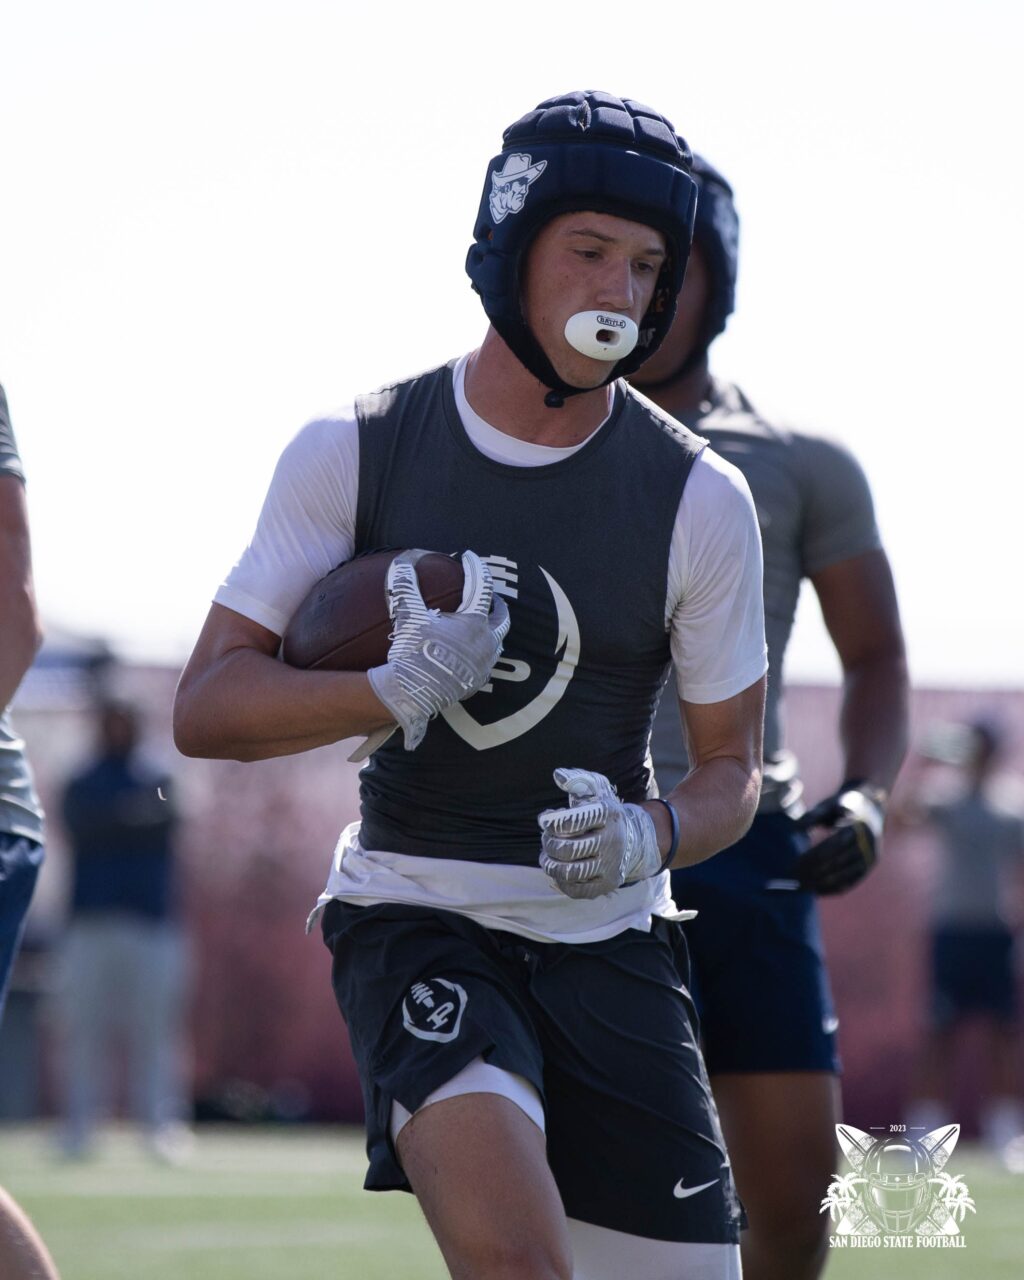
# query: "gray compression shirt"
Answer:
x=815 y=510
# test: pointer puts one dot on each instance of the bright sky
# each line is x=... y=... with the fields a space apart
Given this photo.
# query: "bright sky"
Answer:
x=221 y=217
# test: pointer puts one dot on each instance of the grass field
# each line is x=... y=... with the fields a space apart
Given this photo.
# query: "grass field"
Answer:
x=271 y=1204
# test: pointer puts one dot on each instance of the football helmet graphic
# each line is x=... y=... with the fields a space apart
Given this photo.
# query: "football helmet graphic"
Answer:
x=899 y=1177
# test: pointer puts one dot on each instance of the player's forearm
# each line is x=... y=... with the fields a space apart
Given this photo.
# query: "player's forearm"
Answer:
x=249 y=706
x=715 y=805
x=874 y=718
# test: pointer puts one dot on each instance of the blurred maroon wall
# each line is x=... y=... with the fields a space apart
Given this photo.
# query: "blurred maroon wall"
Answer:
x=256 y=845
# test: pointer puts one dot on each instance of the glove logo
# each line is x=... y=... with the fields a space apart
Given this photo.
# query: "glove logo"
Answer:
x=483 y=736
x=433 y=1010
x=448 y=659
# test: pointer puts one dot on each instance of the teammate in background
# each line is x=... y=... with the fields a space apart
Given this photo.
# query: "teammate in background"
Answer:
x=523 y=1035
x=768 y=1026
x=980 y=845
x=23 y=1255
x=123 y=962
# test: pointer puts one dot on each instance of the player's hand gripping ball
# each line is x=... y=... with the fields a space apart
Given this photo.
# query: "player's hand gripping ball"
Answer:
x=854 y=815
x=598 y=842
x=382 y=614
x=437 y=659
x=344 y=623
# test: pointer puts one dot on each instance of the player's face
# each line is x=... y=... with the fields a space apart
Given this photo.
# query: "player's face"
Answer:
x=587 y=262
x=678 y=343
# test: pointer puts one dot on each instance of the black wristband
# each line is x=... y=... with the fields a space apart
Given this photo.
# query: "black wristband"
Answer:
x=673 y=847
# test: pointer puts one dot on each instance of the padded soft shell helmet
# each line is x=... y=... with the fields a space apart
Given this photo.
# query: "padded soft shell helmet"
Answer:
x=717 y=232
x=581 y=151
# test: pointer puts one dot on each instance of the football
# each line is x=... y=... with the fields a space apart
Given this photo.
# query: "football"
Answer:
x=344 y=625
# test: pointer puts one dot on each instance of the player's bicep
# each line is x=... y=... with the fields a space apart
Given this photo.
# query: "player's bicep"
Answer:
x=730 y=729
x=14 y=540
x=306 y=526
x=19 y=621
x=717 y=603
x=859 y=608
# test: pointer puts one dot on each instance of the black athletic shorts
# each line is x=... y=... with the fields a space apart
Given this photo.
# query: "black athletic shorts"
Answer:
x=759 y=977
x=603 y=1030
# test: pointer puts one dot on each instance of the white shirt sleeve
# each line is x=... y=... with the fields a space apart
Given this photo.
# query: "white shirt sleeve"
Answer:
x=307 y=525
x=715 y=602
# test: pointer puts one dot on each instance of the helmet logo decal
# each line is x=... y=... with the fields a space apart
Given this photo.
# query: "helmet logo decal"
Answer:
x=509 y=187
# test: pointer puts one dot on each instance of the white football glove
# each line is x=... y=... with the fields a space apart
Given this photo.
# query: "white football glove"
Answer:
x=436 y=659
x=599 y=842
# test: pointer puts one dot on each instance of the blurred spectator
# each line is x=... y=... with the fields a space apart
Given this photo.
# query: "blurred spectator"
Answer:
x=979 y=824
x=123 y=970
x=23 y=1255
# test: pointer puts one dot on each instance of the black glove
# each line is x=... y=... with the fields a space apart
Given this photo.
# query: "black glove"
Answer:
x=855 y=813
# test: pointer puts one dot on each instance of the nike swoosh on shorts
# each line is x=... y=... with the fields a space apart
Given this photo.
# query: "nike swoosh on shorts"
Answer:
x=680 y=1192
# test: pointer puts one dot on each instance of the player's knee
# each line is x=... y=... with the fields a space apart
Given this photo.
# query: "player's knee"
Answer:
x=793 y=1230
x=806 y=1232
x=785 y=1209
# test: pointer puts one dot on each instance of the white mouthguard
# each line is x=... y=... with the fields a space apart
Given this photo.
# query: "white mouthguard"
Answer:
x=602 y=335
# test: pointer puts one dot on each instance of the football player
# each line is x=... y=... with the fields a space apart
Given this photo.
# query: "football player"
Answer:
x=506 y=954
x=767 y=1019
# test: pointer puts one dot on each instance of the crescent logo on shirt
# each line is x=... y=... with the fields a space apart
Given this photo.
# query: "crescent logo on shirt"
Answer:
x=504 y=572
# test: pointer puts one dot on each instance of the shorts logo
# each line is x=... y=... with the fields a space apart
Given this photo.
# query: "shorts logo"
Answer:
x=433 y=1009
x=897 y=1195
x=509 y=188
x=682 y=1192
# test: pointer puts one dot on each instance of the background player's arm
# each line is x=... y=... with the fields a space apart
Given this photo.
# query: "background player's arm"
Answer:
x=20 y=633
x=236 y=701
x=717 y=799
x=858 y=604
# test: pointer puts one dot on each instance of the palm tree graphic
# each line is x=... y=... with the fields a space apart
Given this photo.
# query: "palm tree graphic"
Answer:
x=954 y=1195
x=841 y=1196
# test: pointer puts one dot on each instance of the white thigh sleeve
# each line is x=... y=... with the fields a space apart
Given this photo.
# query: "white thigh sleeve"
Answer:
x=600 y=1254
x=477 y=1077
